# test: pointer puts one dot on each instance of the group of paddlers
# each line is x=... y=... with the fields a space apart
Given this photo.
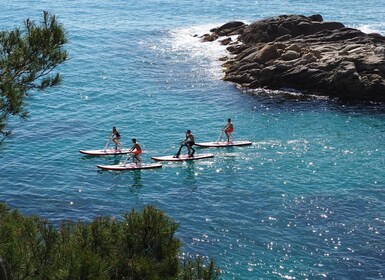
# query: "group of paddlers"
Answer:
x=188 y=142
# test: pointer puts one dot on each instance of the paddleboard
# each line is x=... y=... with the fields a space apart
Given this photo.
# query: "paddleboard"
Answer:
x=129 y=166
x=182 y=157
x=106 y=152
x=223 y=144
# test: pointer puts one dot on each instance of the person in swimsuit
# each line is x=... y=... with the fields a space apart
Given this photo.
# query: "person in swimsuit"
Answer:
x=136 y=151
x=115 y=136
x=188 y=142
x=228 y=129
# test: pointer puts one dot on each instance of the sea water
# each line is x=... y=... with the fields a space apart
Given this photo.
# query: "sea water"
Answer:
x=305 y=201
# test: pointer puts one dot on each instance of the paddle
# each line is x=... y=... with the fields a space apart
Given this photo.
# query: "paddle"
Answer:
x=219 y=137
x=120 y=145
x=107 y=144
x=231 y=137
x=127 y=159
x=181 y=143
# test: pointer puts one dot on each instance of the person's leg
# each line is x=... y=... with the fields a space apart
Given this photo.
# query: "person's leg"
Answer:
x=190 y=148
x=118 y=144
x=193 y=151
x=135 y=157
x=180 y=149
x=138 y=158
x=231 y=137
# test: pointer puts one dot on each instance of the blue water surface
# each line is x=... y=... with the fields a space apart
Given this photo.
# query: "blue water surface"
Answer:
x=305 y=201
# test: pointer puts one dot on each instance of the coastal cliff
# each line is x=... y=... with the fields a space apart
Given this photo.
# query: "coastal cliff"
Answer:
x=305 y=54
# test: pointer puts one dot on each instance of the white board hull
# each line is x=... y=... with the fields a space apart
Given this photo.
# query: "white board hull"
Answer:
x=107 y=152
x=129 y=166
x=183 y=157
x=223 y=144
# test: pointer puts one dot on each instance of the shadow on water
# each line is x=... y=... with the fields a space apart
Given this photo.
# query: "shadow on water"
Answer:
x=230 y=158
x=291 y=99
x=116 y=158
x=137 y=173
x=137 y=179
x=189 y=176
x=130 y=178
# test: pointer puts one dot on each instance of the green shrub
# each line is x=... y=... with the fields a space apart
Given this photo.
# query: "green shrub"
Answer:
x=197 y=269
x=140 y=246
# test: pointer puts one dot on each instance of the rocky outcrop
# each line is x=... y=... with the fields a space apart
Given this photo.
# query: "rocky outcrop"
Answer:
x=306 y=54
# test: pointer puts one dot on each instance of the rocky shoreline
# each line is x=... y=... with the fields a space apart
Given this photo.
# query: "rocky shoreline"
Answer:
x=305 y=54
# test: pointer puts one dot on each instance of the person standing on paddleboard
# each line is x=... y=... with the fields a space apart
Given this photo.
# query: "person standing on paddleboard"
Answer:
x=228 y=129
x=136 y=151
x=188 y=142
x=115 y=136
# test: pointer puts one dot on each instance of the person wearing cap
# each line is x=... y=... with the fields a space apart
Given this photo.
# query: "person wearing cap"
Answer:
x=188 y=142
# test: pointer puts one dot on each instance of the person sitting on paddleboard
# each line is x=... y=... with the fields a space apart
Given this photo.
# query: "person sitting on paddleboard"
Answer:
x=136 y=151
x=188 y=142
x=115 y=136
x=228 y=129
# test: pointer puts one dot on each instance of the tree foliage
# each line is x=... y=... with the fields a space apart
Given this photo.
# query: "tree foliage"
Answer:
x=28 y=58
x=140 y=246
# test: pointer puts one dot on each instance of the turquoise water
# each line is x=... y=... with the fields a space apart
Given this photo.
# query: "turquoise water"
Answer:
x=305 y=201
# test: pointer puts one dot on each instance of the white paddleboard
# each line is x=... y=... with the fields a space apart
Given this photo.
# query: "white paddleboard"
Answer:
x=183 y=157
x=106 y=152
x=129 y=166
x=223 y=144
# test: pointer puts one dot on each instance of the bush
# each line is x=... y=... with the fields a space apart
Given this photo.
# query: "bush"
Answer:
x=140 y=246
x=197 y=269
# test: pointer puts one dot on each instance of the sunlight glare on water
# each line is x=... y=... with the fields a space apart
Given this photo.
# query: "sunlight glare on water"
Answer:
x=304 y=201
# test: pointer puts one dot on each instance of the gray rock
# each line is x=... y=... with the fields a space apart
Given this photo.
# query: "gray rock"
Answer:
x=290 y=55
x=306 y=54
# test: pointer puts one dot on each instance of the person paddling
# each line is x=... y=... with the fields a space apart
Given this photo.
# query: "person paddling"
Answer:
x=136 y=151
x=228 y=129
x=115 y=136
x=188 y=142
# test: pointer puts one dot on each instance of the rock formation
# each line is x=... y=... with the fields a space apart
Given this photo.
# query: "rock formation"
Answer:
x=305 y=54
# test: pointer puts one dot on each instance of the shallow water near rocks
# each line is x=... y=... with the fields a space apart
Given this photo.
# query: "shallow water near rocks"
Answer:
x=306 y=200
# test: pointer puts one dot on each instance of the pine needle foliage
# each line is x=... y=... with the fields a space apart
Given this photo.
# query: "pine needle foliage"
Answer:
x=28 y=58
x=198 y=268
x=142 y=245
